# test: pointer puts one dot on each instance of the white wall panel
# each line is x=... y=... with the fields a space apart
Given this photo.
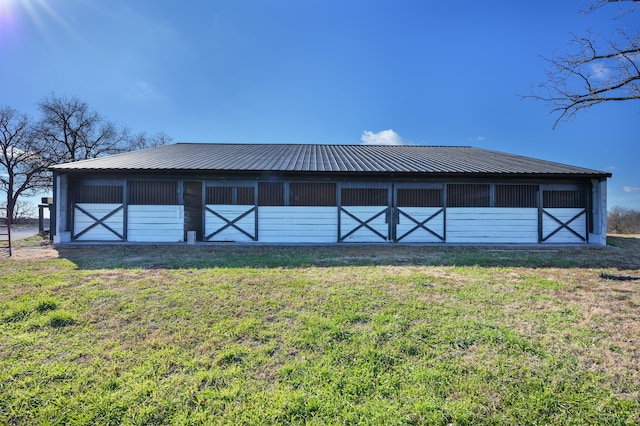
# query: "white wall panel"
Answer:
x=163 y=223
x=363 y=234
x=214 y=223
x=82 y=221
x=549 y=225
x=297 y=224
x=420 y=235
x=492 y=225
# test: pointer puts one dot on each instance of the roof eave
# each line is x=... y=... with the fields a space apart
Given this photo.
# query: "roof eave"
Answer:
x=473 y=175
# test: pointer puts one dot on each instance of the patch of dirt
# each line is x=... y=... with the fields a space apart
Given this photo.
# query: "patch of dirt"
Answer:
x=40 y=251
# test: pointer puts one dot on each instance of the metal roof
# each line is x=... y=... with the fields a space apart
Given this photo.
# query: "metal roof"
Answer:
x=326 y=158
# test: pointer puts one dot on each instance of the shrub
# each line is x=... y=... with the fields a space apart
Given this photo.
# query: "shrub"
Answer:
x=623 y=220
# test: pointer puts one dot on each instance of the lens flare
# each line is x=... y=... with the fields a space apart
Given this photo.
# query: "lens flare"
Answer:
x=7 y=15
x=7 y=19
x=17 y=16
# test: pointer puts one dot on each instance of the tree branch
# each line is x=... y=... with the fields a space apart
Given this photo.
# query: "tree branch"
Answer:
x=592 y=75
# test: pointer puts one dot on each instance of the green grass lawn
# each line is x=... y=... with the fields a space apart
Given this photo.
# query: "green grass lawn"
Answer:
x=357 y=335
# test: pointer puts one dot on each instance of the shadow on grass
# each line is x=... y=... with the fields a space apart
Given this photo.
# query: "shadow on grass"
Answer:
x=621 y=252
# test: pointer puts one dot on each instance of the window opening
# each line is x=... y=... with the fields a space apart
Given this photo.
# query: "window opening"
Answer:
x=564 y=199
x=103 y=194
x=312 y=194
x=516 y=196
x=230 y=195
x=153 y=192
x=469 y=195
x=270 y=194
x=419 y=197
x=364 y=197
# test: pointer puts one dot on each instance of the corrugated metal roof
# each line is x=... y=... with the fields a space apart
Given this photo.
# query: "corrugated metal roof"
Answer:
x=327 y=158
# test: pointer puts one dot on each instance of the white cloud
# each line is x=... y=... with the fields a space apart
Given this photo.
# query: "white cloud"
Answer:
x=477 y=139
x=385 y=137
x=600 y=71
x=631 y=189
x=142 y=91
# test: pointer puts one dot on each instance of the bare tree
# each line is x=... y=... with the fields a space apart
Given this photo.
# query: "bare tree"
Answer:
x=623 y=220
x=598 y=70
x=596 y=4
x=23 y=167
x=23 y=211
x=143 y=140
x=74 y=132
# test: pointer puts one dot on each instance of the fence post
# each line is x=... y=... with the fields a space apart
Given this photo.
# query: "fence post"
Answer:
x=5 y=230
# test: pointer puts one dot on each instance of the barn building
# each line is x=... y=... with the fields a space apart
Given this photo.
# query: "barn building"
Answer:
x=320 y=194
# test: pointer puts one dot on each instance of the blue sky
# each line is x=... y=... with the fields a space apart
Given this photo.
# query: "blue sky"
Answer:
x=322 y=71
